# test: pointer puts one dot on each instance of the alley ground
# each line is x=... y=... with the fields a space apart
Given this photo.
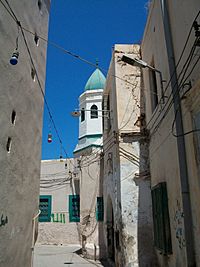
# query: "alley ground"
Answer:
x=60 y=256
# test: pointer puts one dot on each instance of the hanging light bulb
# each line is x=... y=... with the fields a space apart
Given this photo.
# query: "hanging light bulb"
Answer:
x=15 y=55
x=66 y=165
x=14 y=58
x=49 y=134
x=49 y=137
x=61 y=158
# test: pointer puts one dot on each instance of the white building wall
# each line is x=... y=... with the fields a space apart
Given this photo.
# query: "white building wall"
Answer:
x=20 y=168
x=94 y=126
x=124 y=160
x=78 y=176
x=90 y=126
x=60 y=230
x=90 y=188
x=190 y=106
x=163 y=166
x=163 y=149
x=88 y=153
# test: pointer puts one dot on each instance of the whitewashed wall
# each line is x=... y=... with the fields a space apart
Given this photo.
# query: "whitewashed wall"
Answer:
x=90 y=126
x=120 y=171
x=20 y=168
x=60 y=230
x=164 y=164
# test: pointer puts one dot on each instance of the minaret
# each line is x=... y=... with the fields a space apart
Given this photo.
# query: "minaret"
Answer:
x=90 y=121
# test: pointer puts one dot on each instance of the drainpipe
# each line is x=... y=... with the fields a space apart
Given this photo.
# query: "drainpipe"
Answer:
x=180 y=140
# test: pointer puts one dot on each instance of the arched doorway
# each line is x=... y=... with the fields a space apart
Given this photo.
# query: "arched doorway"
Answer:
x=110 y=230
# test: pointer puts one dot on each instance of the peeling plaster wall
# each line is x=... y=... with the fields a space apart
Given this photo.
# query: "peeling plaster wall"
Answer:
x=129 y=195
x=20 y=168
x=124 y=160
x=90 y=189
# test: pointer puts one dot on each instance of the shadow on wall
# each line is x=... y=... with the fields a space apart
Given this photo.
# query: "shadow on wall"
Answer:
x=102 y=245
x=106 y=254
x=146 y=251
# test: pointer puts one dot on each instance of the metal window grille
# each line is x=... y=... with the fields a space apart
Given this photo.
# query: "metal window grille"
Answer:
x=99 y=209
x=45 y=208
x=74 y=208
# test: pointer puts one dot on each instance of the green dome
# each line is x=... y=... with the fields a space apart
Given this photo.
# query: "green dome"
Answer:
x=96 y=81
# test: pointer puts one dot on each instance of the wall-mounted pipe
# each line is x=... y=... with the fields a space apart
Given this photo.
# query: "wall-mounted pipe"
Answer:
x=181 y=140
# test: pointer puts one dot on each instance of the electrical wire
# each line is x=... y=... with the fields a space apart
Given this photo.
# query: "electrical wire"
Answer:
x=55 y=181
x=69 y=52
x=129 y=153
x=132 y=159
x=173 y=123
x=11 y=12
x=106 y=141
x=58 y=46
x=126 y=177
x=54 y=173
x=168 y=136
x=176 y=66
x=171 y=94
x=134 y=108
x=176 y=93
x=92 y=205
x=86 y=164
x=127 y=158
x=76 y=56
x=64 y=50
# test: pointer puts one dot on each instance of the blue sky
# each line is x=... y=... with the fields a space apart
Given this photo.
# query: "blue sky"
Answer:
x=88 y=28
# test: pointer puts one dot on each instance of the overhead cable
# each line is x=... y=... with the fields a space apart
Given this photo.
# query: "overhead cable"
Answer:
x=12 y=14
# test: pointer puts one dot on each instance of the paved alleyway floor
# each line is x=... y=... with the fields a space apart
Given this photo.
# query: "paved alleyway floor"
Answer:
x=60 y=256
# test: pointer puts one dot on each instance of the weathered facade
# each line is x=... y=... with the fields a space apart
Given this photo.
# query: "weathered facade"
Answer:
x=88 y=151
x=171 y=45
x=70 y=199
x=71 y=190
x=21 y=109
x=126 y=183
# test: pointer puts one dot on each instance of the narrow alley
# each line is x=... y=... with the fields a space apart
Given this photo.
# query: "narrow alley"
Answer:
x=100 y=133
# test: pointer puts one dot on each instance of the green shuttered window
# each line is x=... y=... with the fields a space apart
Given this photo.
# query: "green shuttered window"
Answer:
x=45 y=208
x=74 y=208
x=99 y=209
x=162 y=233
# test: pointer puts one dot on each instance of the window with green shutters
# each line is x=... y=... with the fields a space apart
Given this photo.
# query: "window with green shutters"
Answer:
x=99 y=209
x=74 y=208
x=162 y=233
x=45 y=208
